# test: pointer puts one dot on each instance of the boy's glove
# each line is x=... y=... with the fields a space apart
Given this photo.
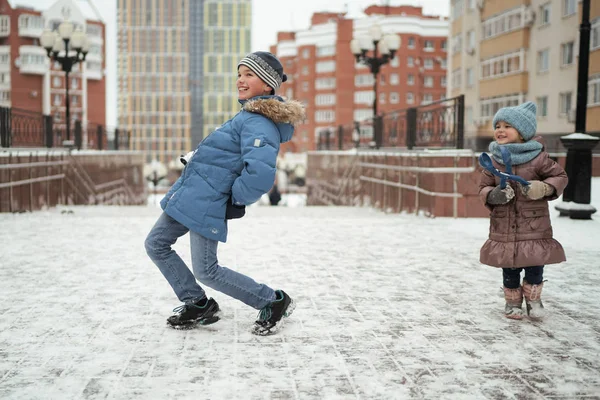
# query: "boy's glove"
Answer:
x=500 y=196
x=537 y=190
x=234 y=211
x=186 y=158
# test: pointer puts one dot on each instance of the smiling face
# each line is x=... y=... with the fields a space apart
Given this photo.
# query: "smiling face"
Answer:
x=505 y=133
x=250 y=85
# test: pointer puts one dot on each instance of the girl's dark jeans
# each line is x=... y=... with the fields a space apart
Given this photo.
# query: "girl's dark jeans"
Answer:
x=512 y=276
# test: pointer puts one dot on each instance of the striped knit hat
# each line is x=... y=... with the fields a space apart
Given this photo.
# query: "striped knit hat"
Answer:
x=267 y=67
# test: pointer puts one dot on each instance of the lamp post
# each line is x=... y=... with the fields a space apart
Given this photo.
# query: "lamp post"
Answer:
x=386 y=45
x=60 y=46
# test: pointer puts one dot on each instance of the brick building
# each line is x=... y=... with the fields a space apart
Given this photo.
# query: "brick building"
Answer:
x=337 y=91
x=29 y=81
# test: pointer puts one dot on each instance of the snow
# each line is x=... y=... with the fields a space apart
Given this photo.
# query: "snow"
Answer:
x=389 y=306
x=580 y=136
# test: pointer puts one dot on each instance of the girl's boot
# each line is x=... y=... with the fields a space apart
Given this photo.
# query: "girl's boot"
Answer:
x=514 y=302
x=533 y=299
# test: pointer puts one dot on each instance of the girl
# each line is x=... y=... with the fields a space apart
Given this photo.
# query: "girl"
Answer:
x=231 y=168
x=520 y=230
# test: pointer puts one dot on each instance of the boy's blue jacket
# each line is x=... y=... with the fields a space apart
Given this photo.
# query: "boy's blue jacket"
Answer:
x=238 y=159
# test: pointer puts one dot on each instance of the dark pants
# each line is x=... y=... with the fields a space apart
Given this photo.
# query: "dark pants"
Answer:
x=512 y=276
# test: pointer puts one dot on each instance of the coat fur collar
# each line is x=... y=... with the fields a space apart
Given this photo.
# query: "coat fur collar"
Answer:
x=277 y=109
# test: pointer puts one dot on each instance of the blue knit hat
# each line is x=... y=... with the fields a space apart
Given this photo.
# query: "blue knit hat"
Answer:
x=267 y=67
x=521 y=117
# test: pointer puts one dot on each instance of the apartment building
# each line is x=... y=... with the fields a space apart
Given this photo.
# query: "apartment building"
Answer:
x=505 y=52
x=338 y=91
x=177 y=70
x=30 y=81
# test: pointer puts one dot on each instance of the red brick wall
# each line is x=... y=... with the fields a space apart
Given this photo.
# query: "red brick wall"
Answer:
x=96 y=110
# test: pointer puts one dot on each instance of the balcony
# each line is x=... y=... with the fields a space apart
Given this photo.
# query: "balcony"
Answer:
x=4 y=25
x=32 y=60
x=31 y=25
x=93 y=70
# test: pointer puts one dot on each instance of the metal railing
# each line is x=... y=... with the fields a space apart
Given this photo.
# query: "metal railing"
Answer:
x=437 y=124
x=23 y=128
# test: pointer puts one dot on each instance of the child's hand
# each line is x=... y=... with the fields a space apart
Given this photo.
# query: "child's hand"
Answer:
x=536 y=190
x=500 y=196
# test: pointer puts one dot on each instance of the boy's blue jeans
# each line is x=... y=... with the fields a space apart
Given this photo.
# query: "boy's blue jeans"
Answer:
x=205 y=265
x=512 y=276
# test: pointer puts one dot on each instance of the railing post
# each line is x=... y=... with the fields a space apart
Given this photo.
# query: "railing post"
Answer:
x=78 y=135
x=116 y=139
x=48 y=131
x=378 y=130
x=340 y=137
x=5 y=127
x=327 y=135
x=99 y=134
x=411 y=128
x=460 y=126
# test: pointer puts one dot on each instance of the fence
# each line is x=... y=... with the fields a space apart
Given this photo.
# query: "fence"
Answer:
x=23 y=128
x=34 y=180
x=437 y=124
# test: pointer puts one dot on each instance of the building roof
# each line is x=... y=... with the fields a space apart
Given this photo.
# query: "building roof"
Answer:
x=87 y=7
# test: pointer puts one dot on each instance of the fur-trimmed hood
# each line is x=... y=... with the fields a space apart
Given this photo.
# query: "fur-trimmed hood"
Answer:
x=284 y=113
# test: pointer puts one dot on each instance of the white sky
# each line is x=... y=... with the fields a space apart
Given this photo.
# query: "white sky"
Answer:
x=268 y=18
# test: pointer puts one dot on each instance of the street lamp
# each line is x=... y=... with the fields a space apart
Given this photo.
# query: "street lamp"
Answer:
x=386 y=45
x=59 y=47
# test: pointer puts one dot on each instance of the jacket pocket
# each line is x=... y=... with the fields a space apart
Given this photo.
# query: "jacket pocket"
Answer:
x=536 y=219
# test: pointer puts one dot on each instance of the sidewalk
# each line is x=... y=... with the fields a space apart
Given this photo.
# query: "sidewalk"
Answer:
x=389 y=307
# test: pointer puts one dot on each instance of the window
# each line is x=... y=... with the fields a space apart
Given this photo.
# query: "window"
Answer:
x=394 y=98
x=325 y=116
x=471 y=40
x=382 y=98
x=363 y=97
x=325 y=51
x=456 y=44
x=543 y=60
x=428 y=81
x=428 y=45
x=443 y=81
x=325 y=99
x=428 y=63
x=325 y=83
x=444 y=63
x=542 y=106
x=567 y=53
x=363 y=80
x=394 y=79
x=456 y=78
x=305 y=53
x=57 y=100
x=457 y=9
x=506 y=22
x=471 y=4
x=503 y=65
x=594 y=90
x=5 y=77
x=56 y=81
x=74 y=83
x=305 y=70
x=470 y=77
x=305 y=86
x=444 y=45
x=411 y=42
x=395 y=61
x=565 y=103
x=325 y=66
x=595 y=35
x=490 y=106
x=410 y=80
x=427 y=98
x=569 y=7
x=410 y=62
x=410 y=98
x=360 y=115
x=545 y=14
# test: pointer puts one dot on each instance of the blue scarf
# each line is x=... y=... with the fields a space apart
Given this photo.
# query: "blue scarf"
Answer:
x=520 y=152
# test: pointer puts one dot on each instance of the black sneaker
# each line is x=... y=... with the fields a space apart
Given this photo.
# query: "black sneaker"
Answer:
x=270 y=318
x=203 y=312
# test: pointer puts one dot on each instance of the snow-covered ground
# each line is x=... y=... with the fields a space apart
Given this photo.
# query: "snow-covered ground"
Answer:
x=389 y=307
